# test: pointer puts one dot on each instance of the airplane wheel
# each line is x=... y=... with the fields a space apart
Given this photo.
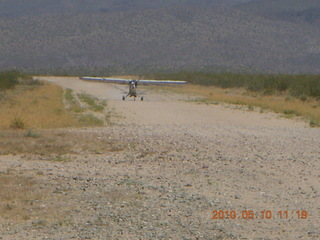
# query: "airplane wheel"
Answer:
x=123 y=98
x=142 y=98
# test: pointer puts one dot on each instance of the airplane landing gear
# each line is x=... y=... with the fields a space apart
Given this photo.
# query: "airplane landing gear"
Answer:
x=124 y=98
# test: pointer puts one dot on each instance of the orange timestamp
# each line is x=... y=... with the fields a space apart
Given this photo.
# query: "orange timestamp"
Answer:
x=266 y=214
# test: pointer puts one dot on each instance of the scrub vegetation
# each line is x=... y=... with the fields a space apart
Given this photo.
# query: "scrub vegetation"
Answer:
x=295 y=85
x=85 y=107
x=290 y=95
x=31 y=104
x=93 y=103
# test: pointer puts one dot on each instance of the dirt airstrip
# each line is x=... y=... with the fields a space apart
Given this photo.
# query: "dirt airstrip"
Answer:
x=163 y=170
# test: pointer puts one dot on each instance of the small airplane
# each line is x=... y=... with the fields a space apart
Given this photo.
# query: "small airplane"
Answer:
x=133 y=84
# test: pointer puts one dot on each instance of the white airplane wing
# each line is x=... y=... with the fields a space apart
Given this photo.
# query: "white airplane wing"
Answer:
x=109 y=80
x=155 y=82
x=125 y=81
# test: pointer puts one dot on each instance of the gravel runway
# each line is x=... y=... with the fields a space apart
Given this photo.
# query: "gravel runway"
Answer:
x=175 y=166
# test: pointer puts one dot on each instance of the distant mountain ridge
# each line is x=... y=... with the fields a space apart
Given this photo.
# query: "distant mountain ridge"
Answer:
x=307 y=11
x=229 y=34
x=14 y=8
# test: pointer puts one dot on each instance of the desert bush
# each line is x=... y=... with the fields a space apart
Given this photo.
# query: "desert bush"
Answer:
x=314 y=123
x=8 y=79
x=17 y=123
x=31 y=133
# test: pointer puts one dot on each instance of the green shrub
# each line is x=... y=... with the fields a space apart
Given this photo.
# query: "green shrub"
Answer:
x=32 y=134
x=8 y=79
x=303 y=98
x=314 y=123
x=250 y=108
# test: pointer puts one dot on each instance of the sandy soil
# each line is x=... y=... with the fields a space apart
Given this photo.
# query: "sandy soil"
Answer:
x=173 y=163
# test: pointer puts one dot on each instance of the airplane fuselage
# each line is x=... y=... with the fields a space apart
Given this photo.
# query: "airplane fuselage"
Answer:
x=133 y=93
x=132 y=89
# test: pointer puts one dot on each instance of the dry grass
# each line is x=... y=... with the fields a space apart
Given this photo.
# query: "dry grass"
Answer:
x=55 y=142
x=29 y=107
x=309 y=109
x=37 y=107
